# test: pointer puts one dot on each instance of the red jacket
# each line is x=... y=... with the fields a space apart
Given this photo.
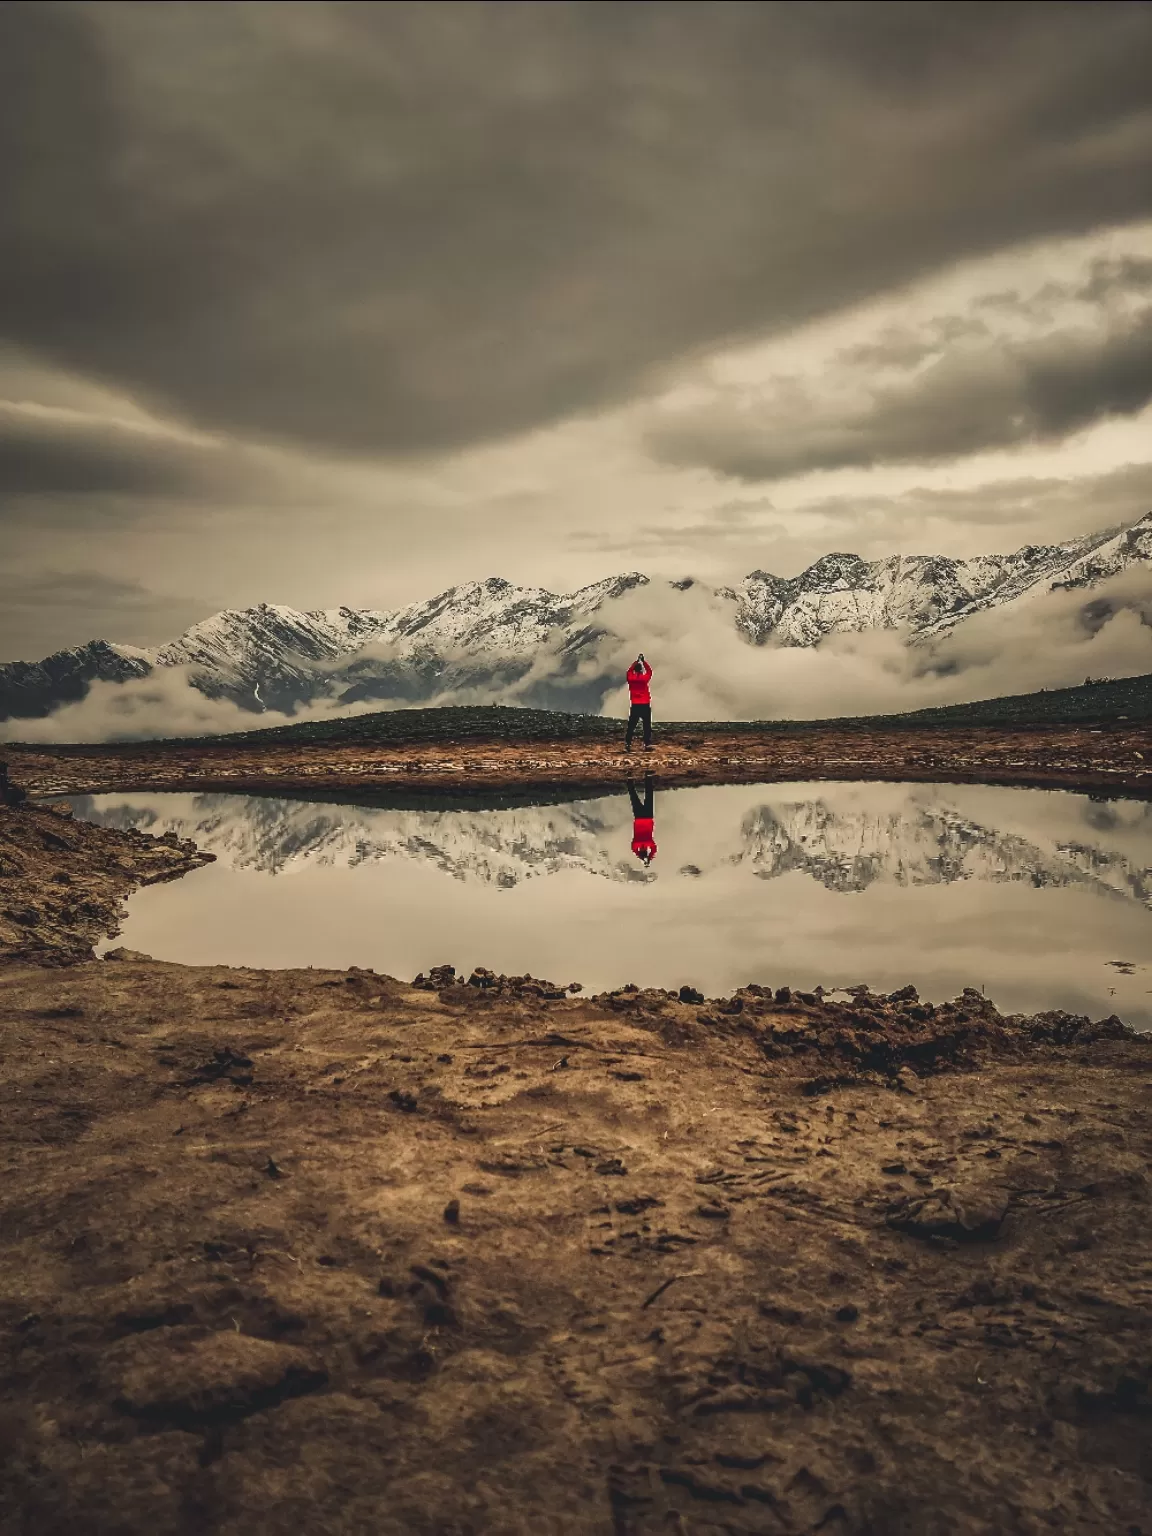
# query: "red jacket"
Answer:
x=642 y=840
x=638 y=684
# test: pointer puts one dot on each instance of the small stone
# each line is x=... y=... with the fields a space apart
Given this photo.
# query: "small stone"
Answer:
x=452 y=1213
x=847 y=1313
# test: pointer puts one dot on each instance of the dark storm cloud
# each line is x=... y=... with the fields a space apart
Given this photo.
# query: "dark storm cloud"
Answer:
x=407 y=226
x=65 y=453
x=969 y=400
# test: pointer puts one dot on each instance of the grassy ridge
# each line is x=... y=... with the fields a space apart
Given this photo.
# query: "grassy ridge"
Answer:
x=1103 y=702
x=1124 y=698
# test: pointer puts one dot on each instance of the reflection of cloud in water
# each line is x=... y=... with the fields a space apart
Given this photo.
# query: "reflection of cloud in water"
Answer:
x=846 y=837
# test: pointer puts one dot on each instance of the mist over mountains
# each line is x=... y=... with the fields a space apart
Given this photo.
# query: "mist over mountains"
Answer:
x=914 y=616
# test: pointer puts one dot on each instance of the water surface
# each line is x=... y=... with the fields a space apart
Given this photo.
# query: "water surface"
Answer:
x=1044 y=898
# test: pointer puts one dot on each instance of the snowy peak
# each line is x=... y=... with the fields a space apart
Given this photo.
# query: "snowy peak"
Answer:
x=925 y=594
x=252 y=645
x=495 y=615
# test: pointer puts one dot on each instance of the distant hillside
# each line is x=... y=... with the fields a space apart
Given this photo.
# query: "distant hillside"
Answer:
x=1125 y=698
x=1103 y=703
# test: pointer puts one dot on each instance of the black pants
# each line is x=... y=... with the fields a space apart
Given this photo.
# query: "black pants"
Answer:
x=639 y=714
x=642 y=807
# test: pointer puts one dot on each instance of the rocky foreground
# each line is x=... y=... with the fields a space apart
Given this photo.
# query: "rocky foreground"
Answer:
x=327 y=1252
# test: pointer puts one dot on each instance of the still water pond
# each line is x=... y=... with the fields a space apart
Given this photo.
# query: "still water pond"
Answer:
x=1043 y=898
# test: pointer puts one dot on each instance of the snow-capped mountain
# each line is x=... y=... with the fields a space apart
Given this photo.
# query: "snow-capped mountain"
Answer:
x=32 y=688
x=925 y=594
x=844 y=842
x=255 y=643
x=489 y=636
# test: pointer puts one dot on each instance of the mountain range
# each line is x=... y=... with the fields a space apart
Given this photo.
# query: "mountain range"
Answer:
x=486 y=636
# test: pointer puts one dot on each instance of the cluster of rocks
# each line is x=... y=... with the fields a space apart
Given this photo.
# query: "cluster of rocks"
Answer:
x=488 y=983
x=859 y=1036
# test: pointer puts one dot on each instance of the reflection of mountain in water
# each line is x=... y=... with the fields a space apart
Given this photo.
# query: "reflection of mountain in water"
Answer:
x=922 y=844
x=499 y=848
x=845 y=848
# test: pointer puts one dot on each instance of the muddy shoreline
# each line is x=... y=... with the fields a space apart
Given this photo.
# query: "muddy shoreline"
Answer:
x=303 y=1251
x=1114 y=759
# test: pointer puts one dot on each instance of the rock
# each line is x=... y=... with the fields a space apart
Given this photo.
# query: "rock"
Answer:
x=10 y=794
x=847 y=1313
x=225 y=1063
x=133 y=956
x=452 y=1213
x=714 y=1211
x=964 y=1215
x=906 y=994
x=186 y=1378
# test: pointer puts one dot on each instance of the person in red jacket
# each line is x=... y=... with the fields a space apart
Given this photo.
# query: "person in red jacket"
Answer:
x=643 y=822
x=639 y=676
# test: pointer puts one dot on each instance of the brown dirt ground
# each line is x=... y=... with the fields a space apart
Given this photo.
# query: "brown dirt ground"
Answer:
x=326 y=1252
x=1116 y=758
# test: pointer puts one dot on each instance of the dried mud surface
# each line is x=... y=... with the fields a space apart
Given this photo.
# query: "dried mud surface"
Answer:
x=1115 y=758
x=309 y=1251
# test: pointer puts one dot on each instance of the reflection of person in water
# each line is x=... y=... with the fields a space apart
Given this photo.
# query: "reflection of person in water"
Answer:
x=643 y=824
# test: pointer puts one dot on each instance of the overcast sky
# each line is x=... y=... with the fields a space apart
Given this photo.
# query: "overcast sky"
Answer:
x=347 y=303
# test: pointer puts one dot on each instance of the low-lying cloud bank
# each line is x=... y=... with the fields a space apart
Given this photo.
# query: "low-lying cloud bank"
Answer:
x=166 y=703
x=704 y=670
